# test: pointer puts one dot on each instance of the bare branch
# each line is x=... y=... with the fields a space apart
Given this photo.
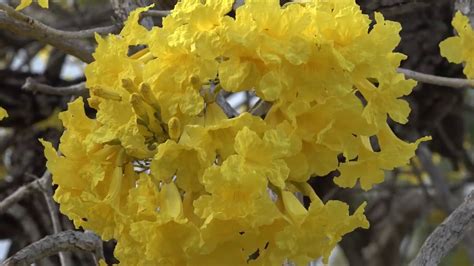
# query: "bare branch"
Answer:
x=447 y=234
x=122 y=9
x=79 y=34
x=73 y=47
x=76 y=89
x=226 y=107
x=237 y=4
x=20 y=193
x=261 y=108
x=47 y=190
x=388 y=231
x=156 y=13
x=25 y=221
x=443 y=198
x=467 y=9
x=436 y=80
x=67 y=41
x=52 y=244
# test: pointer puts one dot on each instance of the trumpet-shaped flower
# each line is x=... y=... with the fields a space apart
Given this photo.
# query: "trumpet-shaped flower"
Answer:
x=460 y=48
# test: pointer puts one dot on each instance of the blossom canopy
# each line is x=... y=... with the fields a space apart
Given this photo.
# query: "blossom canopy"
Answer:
x=164 y=171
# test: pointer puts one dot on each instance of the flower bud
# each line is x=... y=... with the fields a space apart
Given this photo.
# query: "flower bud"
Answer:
x=174 y=128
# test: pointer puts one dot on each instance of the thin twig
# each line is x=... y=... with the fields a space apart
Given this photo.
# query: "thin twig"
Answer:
x=47 y=190
x=416 y=171
x=444 y=197
x=52 y=244
x=156 y=13
x=437 y=80
x=447 y=234
x=67 y=41
x=226 y=107
x=79 y=34
x=261 y=108
x=76 y=48
x=21 y=193
x=25 y=221
x=237 y=4
x=76 y=89
x=403 y=210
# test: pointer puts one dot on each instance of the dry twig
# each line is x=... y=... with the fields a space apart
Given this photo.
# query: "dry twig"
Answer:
x=226 y=107
x=79 y=34
x=47 y=190
x=436 y=80
x=22 y=192
x=67 y=41
x=443 y=196
x=73 y=90
x=447 y=234
x=52 y=244
x=261 y=108
x=156 y=13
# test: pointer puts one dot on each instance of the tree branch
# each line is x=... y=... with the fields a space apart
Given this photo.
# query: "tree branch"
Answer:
x=261 y=108
x=443 y=196
x=225 y=106
x=47 y=190
x=122 y=9
x=76 y=89
x=467 y=9
x=67 y=41
x=156 y=13
x=447 y=234
x=79 y=34
x=436 y=80
x=52 y=244
x=20 y=193
x=73 y=47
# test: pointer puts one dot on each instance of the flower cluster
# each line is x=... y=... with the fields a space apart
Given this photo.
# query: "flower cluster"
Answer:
x=459 y=49
x=25 y=3
x=166 y=173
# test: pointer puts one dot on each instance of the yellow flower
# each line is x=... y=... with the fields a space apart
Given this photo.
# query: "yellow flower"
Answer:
x=216 y=139
x=319 y=230
x=258 y=42
x=90 y=176
x=384 y=99
x=173 y=160
x=370 y=165
x=460 y=48
x=3 y=113
x=162 y=169
x=264 y=155
x=25 y=3
x=234 y=181
x=135 y=33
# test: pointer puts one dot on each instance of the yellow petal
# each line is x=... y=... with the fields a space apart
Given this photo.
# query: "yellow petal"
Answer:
x=115 y=186
x=174 y=128
x=451 y=48
x=461 y=23
x=3 y=113
x=171 y=203
x=43 y=3
x=23 y=4
x=49 y=152
x=293 y=207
